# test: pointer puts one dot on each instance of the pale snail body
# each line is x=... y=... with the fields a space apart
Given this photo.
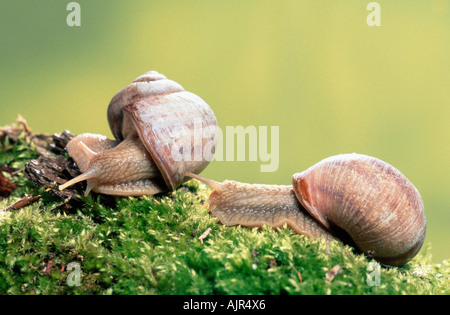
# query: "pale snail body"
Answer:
x=152 y=119
x=376 y=205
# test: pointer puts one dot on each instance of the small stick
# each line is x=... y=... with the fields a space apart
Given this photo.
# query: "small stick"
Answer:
x=204 y=235
x=48 y=268
x=25 y=201
x=23 y=122
x=17 y=171
x=65 y=201
x=299 y=275
x=336 y=270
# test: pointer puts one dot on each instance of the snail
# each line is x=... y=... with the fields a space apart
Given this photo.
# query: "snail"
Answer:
x=352 y=198
x=161 y=131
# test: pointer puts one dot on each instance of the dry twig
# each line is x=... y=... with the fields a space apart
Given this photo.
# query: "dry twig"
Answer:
x=204 y=235
x=299 y=275
x=336 y=270
x=22 y=203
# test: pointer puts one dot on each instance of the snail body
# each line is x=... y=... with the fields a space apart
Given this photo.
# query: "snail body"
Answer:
x=159 y=129
x=345 y=196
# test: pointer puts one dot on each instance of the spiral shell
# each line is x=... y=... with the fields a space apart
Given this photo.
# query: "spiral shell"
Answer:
x=162 y=131
x=375 y=204
x=169 y=121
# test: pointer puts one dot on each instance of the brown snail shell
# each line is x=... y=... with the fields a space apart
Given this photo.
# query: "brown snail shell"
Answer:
x=373 y=202
x=162 y=131
x=348 y=195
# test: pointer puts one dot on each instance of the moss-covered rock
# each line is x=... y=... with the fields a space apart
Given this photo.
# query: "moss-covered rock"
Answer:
x=151 y=245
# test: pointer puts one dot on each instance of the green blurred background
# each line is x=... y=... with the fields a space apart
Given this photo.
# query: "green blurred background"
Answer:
x=314 y=68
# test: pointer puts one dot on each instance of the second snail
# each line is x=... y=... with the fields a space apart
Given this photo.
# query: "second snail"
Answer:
x=353 y=198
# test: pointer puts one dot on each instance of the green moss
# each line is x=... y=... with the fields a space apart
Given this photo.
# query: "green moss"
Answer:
x=150 y=245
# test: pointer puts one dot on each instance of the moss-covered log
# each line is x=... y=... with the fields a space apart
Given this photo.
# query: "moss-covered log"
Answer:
x=158 y=245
